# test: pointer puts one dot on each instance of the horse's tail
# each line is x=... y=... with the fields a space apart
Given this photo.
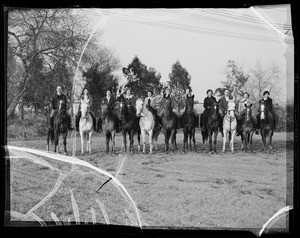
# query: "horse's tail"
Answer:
x=204 y=135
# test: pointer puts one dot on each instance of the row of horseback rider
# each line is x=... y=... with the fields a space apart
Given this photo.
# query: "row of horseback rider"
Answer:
x=150 y=102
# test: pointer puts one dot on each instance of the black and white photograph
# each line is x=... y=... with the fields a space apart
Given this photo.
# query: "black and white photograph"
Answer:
x=150 y=118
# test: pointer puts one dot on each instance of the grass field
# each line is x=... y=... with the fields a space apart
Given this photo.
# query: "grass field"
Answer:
x=193 y=189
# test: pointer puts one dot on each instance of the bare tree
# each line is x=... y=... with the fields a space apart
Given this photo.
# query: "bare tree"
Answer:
x=263 y=78
x=49 y=38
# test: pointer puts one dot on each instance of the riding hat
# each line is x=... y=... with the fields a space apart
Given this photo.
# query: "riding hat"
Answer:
x=266 y=92
x=246 y=93
x=209 y=90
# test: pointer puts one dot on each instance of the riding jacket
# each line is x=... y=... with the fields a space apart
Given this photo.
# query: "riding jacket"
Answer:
x=208 y=102
x=223 y=102
x=55 y=100
x=111 y=102
x=269 y=103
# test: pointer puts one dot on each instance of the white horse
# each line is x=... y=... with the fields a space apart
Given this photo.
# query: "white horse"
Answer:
x=229 y=125
x=147 y=123
x=85 y=127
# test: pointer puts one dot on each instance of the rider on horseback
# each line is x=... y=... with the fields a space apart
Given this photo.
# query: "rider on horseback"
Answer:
x=269 y=102
x=110 y=100
x=86 y=98
x=208 y=103
x=59 y=96
x=166 y=95
x=150 y=102
x=245 y=101
x=128 y=98
x=188 y=94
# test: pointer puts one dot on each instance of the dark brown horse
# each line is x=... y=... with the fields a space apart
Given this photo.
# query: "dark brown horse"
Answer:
x=247 y=126
x=60 y=127
x=212 y=127
x=169 y=124
x=129 y=124
x=109 y=124
x=266 y=125
x=188 y=123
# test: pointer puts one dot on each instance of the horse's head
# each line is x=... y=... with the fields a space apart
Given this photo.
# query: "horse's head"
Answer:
x=231 y=108
x=122 y=109
x=263 y=110
x=215 y=110
x=168 y=106
x=248 y=112
x=84 y=108
x=139 y=106
x=190 y=103
x=105 y=111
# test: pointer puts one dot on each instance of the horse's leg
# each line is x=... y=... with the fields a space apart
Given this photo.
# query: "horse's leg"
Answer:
x=251 y=140
x=48 y=140
x=190 y=138
x=270 y=139
x=210 y=139
x=124 y=141
x=82 y=141
x=113 y=135
x=224 y=140
x=65 y=142
x=131 y=140
x=139 y=140
x=144 y=140
x=151 y=141
x=215 y=140
x=244 y=140
x=90 y=142
x=184 y=138
x=232 y=140
x=167 y=140
x=193 y=138
x=262 y=132
x=173 y=139
x=107 y=136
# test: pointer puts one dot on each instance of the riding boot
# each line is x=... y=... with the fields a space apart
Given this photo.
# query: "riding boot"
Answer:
x=203 y=128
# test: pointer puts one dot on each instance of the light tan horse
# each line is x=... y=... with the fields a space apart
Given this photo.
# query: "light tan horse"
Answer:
x=85 y=127
x=146 y=123
x=229 y=125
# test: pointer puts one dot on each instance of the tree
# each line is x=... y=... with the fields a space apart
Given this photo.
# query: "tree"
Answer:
x=180 y=80
x=235 y=79
x=140 y=79
x=51 y=39
x=179 y=77
x=263 y=78
x=98 y=81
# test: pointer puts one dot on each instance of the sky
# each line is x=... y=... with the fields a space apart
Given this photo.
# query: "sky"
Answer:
x=203 y=40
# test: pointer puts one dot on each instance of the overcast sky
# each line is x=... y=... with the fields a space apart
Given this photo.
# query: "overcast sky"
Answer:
x=203 y=40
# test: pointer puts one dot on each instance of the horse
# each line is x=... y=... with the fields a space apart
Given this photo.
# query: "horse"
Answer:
x=169 y=124
x=229 y=125
x=267 y=124
x=212 y=127
x=109 y=124
x=129 y=124
x=247 y=127
x=85 y=127
x=60 y=127
x=188 y=123
x=147 y=125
